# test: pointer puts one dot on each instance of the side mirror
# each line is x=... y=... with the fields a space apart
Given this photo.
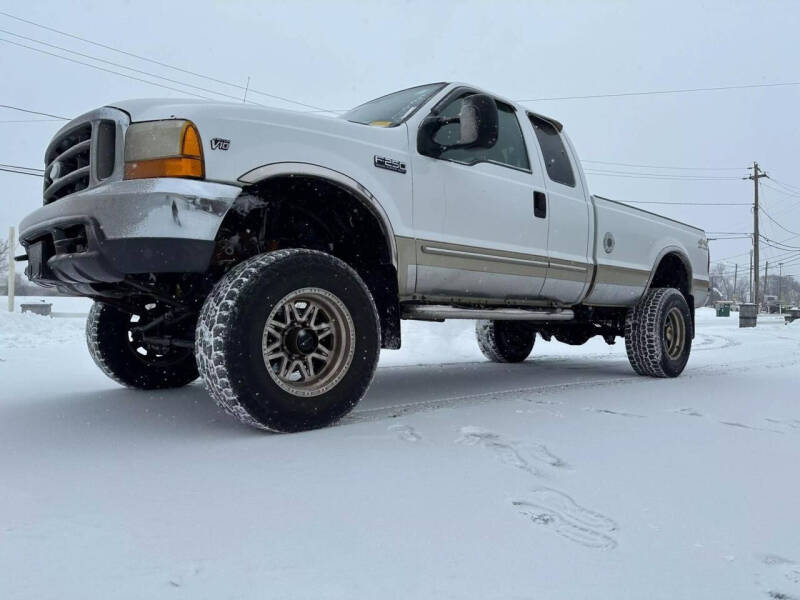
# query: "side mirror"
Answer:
x=479 y=122
x=478 y=125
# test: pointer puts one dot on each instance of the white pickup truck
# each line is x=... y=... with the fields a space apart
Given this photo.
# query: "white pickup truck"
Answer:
x=274 y=253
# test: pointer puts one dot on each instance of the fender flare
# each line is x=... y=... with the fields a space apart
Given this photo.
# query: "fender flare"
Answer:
x=348 y=184
x=681 y=253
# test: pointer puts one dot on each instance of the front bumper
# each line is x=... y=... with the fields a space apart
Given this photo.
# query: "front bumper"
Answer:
x=102 y=234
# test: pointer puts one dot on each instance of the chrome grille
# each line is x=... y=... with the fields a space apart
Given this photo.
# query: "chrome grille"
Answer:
x=79 y=157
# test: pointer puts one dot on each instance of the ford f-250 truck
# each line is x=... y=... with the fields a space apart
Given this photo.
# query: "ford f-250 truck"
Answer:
x=274 y=253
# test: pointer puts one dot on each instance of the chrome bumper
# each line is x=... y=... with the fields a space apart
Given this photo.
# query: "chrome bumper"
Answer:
x=123 y=227
x=141 y=208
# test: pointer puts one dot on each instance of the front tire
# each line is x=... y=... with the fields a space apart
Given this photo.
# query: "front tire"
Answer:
x=505 y=341
x=111 y=335
x=658 y=333
x=288 y=340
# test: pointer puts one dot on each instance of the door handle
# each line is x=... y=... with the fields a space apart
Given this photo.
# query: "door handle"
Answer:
x=539 y=205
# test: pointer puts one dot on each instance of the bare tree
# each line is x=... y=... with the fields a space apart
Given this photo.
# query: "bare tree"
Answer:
x=3 y=258
x=721 y=281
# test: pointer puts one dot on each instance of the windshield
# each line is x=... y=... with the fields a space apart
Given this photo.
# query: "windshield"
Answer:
x=393 y=109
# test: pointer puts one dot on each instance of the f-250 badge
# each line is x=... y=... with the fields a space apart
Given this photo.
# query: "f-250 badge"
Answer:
x=390 y=164
x=220 y=144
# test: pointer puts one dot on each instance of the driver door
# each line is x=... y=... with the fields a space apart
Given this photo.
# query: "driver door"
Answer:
x=478 y=235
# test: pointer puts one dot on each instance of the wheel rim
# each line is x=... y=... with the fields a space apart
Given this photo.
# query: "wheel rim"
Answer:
x=155 y=355
x=674 y=333
x=308 y=342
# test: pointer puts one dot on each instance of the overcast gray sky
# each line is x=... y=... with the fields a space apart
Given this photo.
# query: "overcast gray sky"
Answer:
x=337 y=55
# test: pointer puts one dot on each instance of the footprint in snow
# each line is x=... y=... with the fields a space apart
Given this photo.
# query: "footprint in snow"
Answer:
x=791 y=423
x=743 y=426
x=406 y=433
x=607 y=411
x=690 y=412
x=782 y=572
x=560 y=513
x=545 y=506
x=509 y=452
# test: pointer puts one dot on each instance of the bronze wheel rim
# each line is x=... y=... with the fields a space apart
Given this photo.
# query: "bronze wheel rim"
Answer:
x=308 y=342
x=674 y=334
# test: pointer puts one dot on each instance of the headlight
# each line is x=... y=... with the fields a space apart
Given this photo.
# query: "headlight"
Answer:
x=170 y=148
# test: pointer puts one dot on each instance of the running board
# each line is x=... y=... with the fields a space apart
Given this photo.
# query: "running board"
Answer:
x=435 y=312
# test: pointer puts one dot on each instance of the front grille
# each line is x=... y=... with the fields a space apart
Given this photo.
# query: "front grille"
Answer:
x=79 y=158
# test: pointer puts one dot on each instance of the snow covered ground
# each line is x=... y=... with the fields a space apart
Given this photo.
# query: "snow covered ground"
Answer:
x=566 y=476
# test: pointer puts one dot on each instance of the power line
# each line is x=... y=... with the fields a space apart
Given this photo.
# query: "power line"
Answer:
x=161 y=64
x=605 y=162
x=18 y=167
x=783 y=191
x=21 y=172
x=656 y=176
x=789 y=187
x=665 y=175
x=662 y=92
x=766 y=214
x=775 y=244
x=33 y=112
x=108 y=62
x=103 y=69
x=30 y=121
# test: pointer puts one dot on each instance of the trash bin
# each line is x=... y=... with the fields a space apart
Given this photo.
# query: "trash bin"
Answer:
x=747 y=315
x=723 y=309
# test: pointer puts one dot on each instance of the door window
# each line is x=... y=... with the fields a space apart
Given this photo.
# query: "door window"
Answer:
x=556 y=159
x=509 y=150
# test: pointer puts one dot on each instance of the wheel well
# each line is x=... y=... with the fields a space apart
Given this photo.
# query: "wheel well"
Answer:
x=672 y=272
x=314 y=213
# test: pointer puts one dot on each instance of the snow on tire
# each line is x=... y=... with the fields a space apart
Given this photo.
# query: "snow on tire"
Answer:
x=658 y=333
x=505 y=341
x=288 y=340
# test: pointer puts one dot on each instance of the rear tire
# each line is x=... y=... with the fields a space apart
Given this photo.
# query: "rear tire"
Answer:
x=135 y=364
x=288 y=340
x=505 y=341
x=658 y=333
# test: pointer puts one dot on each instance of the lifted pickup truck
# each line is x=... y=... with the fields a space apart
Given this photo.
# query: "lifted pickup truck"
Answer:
x=274 y=253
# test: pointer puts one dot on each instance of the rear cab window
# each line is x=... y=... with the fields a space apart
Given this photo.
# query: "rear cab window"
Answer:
x=556 y=158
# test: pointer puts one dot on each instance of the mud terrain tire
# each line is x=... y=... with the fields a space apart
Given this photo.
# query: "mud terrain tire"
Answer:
x=288 y=340
x=128 y=363
x=658 y=333
x=505 y=341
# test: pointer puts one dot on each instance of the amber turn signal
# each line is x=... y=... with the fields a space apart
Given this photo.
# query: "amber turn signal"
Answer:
x=170 y=148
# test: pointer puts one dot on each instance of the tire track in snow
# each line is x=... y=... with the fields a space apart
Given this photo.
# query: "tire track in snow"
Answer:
x=528 y=393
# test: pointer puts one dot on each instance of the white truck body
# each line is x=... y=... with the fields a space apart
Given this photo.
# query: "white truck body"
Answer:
x=457 y=231
x=457 y=204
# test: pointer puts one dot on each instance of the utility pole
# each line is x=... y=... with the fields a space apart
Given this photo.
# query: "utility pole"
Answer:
x=735 y=275
x=750 y=295
x=756 y=175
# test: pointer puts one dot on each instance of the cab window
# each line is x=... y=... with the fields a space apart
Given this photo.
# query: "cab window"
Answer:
x=509 y=150
x=556 y=159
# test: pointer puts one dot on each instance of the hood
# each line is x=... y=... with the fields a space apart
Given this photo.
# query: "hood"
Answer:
x=150 y=109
